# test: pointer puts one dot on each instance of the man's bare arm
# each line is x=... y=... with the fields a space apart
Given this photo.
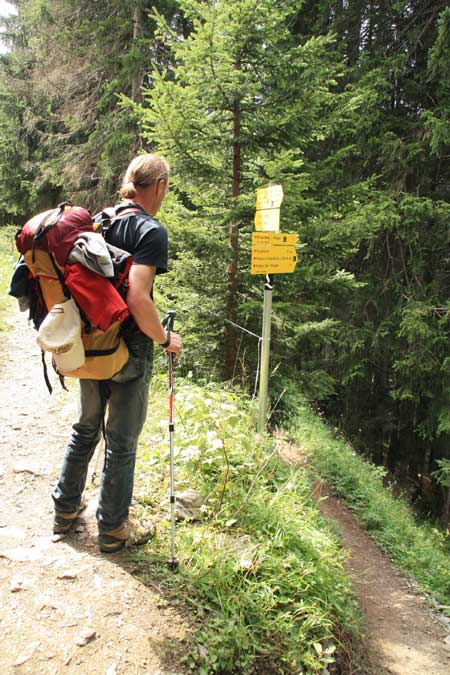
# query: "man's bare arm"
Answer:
x=143 y=309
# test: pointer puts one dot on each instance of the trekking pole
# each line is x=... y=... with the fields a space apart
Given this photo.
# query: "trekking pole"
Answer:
x=173 y=562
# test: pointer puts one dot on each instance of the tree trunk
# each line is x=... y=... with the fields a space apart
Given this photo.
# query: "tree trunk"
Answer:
x=233 y=242
x=136 y=93
x=445 y=514
x=136 y=84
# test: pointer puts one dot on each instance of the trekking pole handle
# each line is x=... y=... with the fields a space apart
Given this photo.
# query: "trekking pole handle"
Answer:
x=169 y=319
x=167 y=323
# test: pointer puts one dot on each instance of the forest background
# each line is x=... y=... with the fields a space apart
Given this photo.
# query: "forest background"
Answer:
x=347 y=105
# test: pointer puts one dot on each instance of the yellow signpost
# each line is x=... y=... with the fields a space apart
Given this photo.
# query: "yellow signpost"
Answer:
x=273 y=252
x=274 y=238
x=267 y=259
x=269 y=197
x=267 y=221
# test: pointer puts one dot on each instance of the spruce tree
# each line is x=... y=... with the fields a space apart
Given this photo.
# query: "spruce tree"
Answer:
x=239 y=104
x=69 y=62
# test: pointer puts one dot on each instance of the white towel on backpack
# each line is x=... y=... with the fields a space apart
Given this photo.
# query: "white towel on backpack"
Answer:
x=91 y=250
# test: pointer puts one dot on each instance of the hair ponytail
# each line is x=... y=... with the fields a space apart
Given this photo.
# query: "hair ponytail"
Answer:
x=143 y=170
x=127 y=191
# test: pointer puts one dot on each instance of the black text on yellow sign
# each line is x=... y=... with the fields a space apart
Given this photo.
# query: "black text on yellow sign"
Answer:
x=274 y=238
x=273 y=253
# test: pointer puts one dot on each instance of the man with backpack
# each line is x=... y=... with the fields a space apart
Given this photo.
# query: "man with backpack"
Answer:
x=135 y=229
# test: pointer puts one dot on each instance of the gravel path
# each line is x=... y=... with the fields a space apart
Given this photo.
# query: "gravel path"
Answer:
x=64 y=607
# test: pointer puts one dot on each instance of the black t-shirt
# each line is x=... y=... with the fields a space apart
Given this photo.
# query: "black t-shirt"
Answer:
x=141 y=235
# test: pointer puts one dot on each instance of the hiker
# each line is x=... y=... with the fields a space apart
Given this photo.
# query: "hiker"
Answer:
x=144 y=188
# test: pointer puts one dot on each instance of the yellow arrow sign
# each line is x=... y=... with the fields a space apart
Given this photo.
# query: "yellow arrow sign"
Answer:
x=273 y=259
x=269 y=197
x=268 y=202
x=267 y=221
x=274 y=238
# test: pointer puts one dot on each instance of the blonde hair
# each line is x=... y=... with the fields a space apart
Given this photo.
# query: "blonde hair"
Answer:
x=142 y=171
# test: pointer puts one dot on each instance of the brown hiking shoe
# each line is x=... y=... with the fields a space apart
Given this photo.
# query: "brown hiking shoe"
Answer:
x=127 y=534
x=62 y=522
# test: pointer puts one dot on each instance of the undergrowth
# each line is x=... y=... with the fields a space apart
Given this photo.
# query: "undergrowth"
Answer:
x=8 y=256
x=261 y=575
x=418 y=548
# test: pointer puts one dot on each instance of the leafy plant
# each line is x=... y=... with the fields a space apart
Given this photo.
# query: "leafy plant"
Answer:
x=8 y=255
x=263 y=578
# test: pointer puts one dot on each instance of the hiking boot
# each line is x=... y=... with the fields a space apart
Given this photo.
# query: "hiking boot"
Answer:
x=62 y=522
x=127 y=534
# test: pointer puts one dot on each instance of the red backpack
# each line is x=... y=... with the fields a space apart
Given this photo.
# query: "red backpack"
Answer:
x=45 y=242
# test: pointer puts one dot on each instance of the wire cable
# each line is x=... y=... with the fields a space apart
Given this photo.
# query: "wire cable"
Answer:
x=249 y=332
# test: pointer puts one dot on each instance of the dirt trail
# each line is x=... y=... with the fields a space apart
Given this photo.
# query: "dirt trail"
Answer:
x=64 y=607
x=402 y=636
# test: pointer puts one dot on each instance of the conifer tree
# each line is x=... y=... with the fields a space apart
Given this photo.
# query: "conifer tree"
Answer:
x=391 y=344
x=236 y=109
x=69 y=62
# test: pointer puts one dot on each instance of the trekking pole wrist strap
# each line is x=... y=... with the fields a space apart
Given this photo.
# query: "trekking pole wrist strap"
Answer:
x=167 y=342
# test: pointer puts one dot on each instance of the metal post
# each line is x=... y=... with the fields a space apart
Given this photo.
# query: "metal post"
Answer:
x=265 y=353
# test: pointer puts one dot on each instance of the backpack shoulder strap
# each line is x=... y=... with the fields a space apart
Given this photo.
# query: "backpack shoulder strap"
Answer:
x=103 y=219
x=106 y=218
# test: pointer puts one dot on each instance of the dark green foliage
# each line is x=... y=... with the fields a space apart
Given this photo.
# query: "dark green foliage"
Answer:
x=243 y=104
x=69 y=63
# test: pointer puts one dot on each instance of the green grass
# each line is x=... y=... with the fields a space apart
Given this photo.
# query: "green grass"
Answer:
x=8 y=256
x=262 y=575
x=418 y=549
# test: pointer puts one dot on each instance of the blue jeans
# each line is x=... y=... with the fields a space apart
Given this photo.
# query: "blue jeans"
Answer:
x=127 y=404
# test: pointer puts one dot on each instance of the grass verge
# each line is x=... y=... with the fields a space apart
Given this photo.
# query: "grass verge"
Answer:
x=261 y=575
x=8 y=256
x=417 y=548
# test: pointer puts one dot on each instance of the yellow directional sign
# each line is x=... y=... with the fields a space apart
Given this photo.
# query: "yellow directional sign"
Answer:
x=268 y=202
x=269 y=197
x=274 y=238
x=267 y=221
x=273 y=259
